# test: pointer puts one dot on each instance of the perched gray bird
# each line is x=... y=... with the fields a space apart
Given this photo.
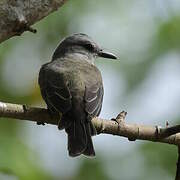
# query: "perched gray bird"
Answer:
x=72 y=84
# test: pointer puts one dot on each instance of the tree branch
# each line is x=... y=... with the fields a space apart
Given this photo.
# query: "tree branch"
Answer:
x=16 y=16
x=116 y=126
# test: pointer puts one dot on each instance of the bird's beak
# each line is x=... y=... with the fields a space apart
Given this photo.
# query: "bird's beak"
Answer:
x=105 y=54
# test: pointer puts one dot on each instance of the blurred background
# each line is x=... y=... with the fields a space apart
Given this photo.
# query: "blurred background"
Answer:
x=145 y=82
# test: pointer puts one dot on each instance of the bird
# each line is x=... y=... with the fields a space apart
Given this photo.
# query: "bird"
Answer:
x=72 y=85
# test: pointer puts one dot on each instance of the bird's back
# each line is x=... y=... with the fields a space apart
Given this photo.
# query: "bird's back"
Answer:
x=74 y=88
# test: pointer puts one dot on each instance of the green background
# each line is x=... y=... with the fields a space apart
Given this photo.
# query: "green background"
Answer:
x=144 y=82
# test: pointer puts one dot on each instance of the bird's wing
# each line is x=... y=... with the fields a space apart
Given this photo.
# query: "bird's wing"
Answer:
x=54 y=90
x=93 y=99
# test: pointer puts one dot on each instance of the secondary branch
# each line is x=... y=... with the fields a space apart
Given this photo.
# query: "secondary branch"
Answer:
x=16 y=16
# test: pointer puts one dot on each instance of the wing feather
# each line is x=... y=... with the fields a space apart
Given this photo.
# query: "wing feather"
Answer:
x=93 y=99
x=54 y=90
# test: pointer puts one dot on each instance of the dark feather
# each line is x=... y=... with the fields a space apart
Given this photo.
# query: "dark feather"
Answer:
x=54 y=90
x=77 y=138
x=89 y=151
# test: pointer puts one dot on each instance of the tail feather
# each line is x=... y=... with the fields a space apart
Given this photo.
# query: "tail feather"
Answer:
x=79 y=139
x=89 y=151
x=93 y=130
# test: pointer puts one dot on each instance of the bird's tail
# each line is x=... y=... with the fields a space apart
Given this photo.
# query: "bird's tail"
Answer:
x=89 y=151
x=79 y=139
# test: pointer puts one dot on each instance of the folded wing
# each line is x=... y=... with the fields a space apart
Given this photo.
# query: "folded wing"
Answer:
x=93 y=99
x=54 y=90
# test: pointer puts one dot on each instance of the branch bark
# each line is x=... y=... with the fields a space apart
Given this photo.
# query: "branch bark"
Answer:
x=116 y=126
x=16 y=16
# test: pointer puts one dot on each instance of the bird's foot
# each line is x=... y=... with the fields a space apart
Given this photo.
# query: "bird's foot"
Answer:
x=40 y=123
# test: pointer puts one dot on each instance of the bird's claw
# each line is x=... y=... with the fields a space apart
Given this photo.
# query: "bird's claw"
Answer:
x=40 y=123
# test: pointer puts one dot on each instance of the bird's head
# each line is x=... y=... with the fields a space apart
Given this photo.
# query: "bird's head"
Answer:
x=81 y=46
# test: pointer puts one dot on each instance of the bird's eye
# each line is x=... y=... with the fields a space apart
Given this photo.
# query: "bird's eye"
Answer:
x=90 y=47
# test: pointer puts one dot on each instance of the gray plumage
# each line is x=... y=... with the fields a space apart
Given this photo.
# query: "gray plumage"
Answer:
x=72 y=84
